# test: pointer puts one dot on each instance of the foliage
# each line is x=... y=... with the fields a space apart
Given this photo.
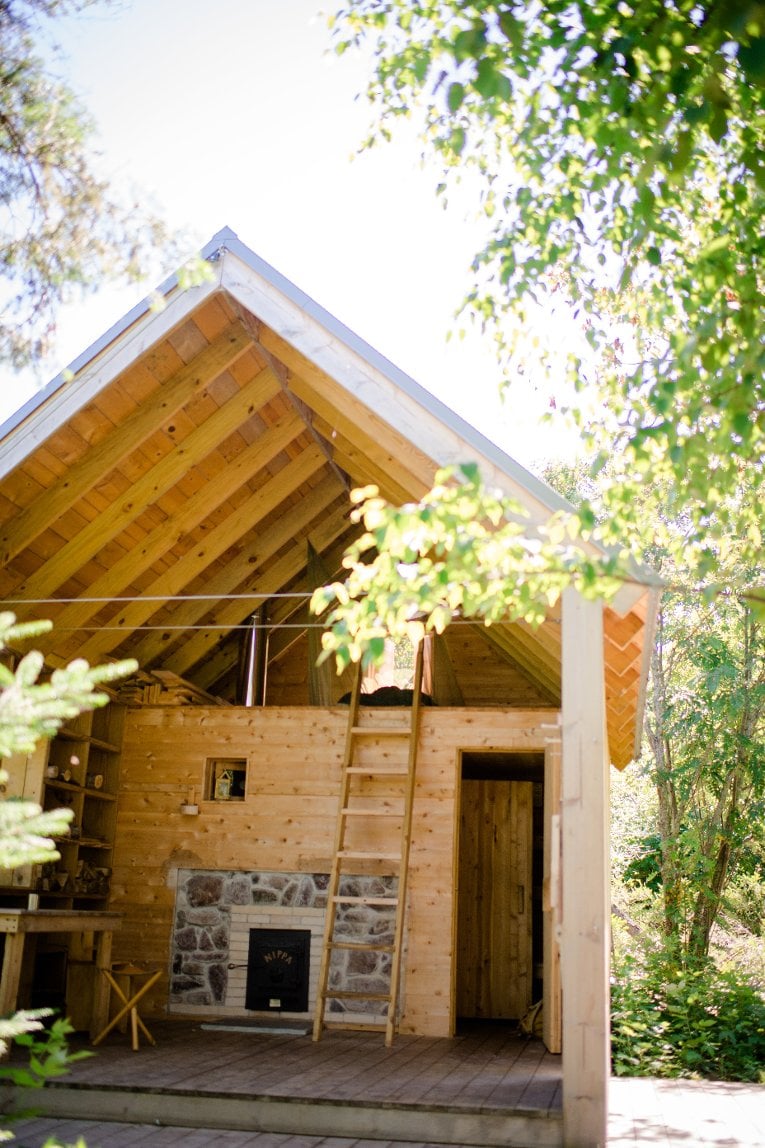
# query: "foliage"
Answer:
x=49 y=1057
x=620 y=153
x=705 y=727
x=461 y=550
x=31 y=710
x=62 y=228
x=694 y=1023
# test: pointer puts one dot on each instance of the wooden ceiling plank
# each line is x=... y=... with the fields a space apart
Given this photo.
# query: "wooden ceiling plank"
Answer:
x=497 y=637
x=222 y=661
x=148 y=489
x=120 y=442
x=378 y=451
x=298 y=613
x=241 y=568
x=162 y=539
x=274 y=579
x=540 y=647
x=304 y=411
x=280 y=642
x=198 y=558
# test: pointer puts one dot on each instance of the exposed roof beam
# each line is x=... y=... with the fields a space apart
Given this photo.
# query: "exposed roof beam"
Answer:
x=220 y=539
x=242 y=567
x=351 y=418
x=365 y=472
x=165 y=536
x=106 y=455
x=252 y=325
x=500 y=638
x=148 y=488
x=274 y=579
x=297 y=613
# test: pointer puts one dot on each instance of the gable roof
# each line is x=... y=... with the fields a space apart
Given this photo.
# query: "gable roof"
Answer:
x=153 y=495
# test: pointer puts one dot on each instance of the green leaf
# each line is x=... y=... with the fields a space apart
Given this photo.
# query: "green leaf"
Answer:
x=457 y=139
x=455 y=96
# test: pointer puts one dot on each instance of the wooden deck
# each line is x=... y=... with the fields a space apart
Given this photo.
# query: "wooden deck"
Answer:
x=486 y=1086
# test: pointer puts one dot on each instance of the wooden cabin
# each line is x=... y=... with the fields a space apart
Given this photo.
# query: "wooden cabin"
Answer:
x=175 y=499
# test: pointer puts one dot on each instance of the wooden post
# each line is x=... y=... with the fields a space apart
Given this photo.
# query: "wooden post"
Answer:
x=100 y=1013
x=585 y=860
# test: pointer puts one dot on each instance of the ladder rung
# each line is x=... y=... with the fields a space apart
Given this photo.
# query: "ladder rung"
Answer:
x=357 y=811
x=340 y=900
x=380 y=731
x=368 y=855
x=348 y=994
x=338 y=1026
x=357 y=947
x=375 y=771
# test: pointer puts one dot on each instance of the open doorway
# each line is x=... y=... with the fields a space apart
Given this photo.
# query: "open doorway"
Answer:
x=500 y=867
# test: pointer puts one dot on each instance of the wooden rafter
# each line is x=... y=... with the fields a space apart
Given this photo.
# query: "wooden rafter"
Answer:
x=275 y=578
x=147 y=489
x=504 y=641
x=352 y=419
x=366 y=471
x=164 y=536
x=220 y=539
x=240 y=570
x=21 y=530
x=297 y=613
x=252 y=325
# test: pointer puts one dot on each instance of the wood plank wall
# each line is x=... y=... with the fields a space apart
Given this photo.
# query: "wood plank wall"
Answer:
x=287 y=820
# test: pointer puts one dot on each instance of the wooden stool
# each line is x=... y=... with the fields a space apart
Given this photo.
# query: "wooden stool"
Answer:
x=129 y=1000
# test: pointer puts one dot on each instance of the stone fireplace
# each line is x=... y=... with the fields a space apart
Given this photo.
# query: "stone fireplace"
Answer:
x=215 y=911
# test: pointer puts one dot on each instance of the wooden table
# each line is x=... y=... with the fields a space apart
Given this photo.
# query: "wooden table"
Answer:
x=16 y=923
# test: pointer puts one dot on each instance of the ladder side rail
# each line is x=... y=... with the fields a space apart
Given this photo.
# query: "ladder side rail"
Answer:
x=406 y=839
x=337 y=860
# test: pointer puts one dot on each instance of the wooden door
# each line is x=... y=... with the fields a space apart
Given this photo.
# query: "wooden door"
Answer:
x=494 y=953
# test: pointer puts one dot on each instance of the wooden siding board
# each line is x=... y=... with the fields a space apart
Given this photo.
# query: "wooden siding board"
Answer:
x=287 y=822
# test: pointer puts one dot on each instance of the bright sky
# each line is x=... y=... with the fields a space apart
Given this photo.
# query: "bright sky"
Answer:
x=238 y=114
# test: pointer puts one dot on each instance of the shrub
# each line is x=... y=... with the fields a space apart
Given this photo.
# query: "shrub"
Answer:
x=670 y=1021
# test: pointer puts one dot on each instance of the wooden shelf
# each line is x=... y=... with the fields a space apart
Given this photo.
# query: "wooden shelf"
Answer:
x=72 y=787
x=86 y=748
x=97 y=742
x=86 y=842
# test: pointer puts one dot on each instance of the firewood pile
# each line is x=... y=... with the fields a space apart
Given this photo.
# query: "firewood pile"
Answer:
x=163 y=688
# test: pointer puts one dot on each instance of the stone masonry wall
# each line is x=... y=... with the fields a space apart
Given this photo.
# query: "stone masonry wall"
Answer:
x=200 y=945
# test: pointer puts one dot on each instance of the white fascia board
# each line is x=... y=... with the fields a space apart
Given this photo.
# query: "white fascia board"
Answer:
x=139 y=330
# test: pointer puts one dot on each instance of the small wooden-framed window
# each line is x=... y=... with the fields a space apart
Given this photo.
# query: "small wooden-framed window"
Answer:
x=226 y=778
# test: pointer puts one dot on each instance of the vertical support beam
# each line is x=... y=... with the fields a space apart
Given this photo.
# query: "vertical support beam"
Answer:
x=101 y=988
x=551 y=897
x=260 y=668
x=586 y=894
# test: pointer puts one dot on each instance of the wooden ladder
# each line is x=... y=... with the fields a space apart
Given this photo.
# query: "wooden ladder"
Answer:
x=354 y=807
